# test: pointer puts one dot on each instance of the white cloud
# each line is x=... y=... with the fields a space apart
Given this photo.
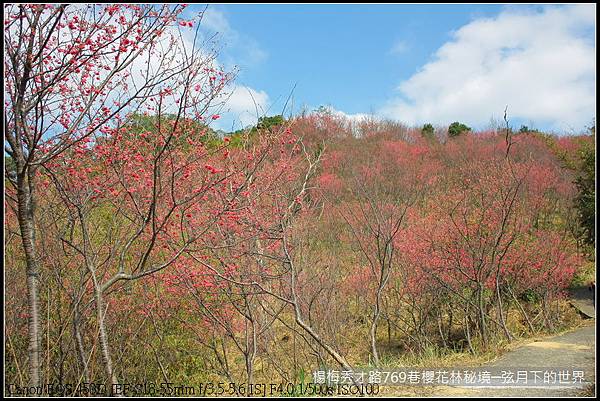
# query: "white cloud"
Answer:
x=244 y=106
x=247 y=50
x=540 y=64
x=216 y=21
x=353 y=118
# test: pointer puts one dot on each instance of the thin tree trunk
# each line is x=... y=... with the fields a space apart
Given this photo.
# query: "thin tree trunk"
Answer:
x=441 y=331
x=373 y=332
x=507 y=333
x=338 y=358
x=385 y=274
x=250 y=354
x=104 y=346
x=79 y=347
x=522 y=310
x=545 y=313
x=450 y=321
x=389 y=329
x=225 y=359
x=26 y=225
x=100 y=315
x=468 y=333
x=482 y=323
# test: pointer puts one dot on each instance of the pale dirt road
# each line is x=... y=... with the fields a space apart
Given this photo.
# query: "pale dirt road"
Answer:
x=570 y=351
x=575 y=350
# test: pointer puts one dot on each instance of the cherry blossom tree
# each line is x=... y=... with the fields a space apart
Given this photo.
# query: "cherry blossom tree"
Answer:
x=74 y=72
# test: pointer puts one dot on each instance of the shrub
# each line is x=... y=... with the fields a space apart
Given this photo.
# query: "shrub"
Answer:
x=427 y=131
x=456 y=128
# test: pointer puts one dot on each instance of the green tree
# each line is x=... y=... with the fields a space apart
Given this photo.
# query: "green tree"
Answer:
x=456 y=128
x=239 y=137
x=269 y=122
x=139 y=123
x=428 y=132
x=585 y=201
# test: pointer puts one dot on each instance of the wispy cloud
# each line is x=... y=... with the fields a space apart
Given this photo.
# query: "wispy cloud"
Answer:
x=243 y=107
x=241 y=49
x=542 y=64
x=400 y=47
x=354 y=118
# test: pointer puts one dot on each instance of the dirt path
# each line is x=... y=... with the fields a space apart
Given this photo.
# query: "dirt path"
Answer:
x=571 y=351
x=581 y=299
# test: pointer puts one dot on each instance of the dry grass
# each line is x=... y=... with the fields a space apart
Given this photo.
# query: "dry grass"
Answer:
x=353 y=341
x=589 y=391
x=584 y=275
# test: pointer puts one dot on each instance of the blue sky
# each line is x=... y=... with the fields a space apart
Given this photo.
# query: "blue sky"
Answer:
x=413 y=63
